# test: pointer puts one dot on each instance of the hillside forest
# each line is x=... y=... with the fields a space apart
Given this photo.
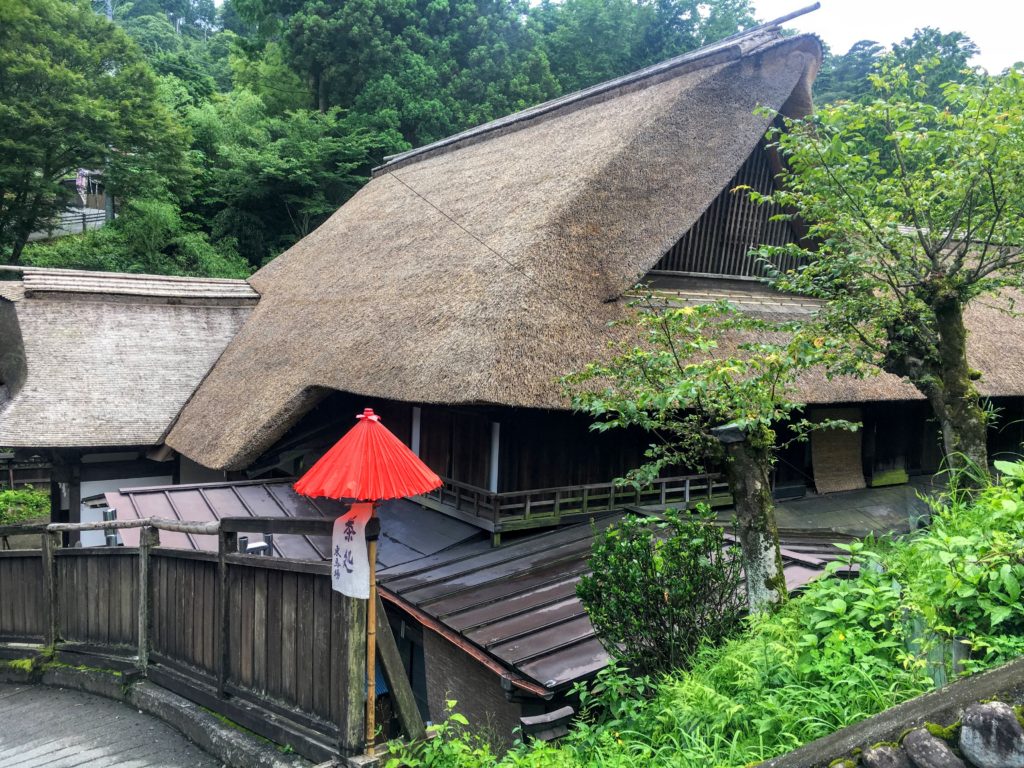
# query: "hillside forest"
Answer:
x=227 y=133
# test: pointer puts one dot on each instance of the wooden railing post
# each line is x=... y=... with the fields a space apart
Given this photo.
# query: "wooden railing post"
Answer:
x=51 y=543
x=394 y=672
x=226 y=543
x=348 y=617
x=148 y=538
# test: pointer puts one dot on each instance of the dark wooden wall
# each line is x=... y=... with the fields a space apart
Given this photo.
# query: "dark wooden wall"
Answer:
x=183 y=596
x=283 y=632
x=286 y=627
x=456 y=443
x=22 y=604
x=548 y=449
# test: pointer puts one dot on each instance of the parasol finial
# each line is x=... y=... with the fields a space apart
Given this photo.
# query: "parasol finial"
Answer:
x=368 y=414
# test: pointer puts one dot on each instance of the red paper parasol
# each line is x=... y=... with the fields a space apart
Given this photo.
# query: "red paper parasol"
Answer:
x=368 y=464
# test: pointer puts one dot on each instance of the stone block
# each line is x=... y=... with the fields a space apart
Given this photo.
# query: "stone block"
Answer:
x=992 y=736
x=927 y=751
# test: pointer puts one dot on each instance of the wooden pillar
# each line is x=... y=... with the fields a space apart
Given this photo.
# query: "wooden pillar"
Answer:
x=226 y=544
x=51 y=543
x=148 y=538
x=348 y=633
x=417 y=418
x=75 y=499
x=492 y=482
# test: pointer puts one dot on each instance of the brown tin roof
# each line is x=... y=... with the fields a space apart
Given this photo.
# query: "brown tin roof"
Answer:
x=517 y=603
x=408 y=531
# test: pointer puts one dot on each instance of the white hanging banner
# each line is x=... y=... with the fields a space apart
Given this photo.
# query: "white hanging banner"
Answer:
x=350 y=568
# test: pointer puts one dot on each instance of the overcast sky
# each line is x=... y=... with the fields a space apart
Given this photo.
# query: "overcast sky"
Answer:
x=996 y=26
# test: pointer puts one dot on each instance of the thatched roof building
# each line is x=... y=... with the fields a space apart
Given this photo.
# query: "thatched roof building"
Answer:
x=481 y=268
x=92 y=359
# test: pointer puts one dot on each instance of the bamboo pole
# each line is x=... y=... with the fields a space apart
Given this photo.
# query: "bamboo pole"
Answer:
x=372 y=532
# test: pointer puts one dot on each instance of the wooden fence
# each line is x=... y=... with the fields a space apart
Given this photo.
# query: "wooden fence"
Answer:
x=264 y=641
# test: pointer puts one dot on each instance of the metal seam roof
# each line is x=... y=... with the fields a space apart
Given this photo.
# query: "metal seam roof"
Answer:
x=517 y=603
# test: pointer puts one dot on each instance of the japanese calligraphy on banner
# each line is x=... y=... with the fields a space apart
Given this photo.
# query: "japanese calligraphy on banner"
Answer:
x=350 y=568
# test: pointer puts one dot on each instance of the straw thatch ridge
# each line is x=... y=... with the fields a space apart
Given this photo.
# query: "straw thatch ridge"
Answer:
x=480 y=273
x=91 y=359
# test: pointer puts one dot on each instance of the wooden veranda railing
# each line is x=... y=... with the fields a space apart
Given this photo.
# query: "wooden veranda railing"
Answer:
x=264 y=641
x=518 y=510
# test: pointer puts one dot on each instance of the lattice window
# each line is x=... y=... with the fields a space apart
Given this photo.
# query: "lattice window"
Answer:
x=720 y=241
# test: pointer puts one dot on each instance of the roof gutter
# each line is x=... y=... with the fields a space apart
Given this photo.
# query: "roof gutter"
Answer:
x=508 y=678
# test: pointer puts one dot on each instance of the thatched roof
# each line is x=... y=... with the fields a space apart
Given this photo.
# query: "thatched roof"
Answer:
x=90 y=359
x=480 y=269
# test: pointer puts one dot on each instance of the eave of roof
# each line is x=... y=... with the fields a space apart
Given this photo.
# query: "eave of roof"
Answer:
x=40 y=282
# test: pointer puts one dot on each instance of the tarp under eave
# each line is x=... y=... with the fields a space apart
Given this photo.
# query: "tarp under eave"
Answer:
x=368 y=464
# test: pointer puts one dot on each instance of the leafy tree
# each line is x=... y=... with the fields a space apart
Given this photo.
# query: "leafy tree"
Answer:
x=915 y=211
x=660 y=588
x=149 y=236
x=266 y=73
x=267 y=181
x=589 y=41
x=75 y=92
x=711 y=398
x=939 y=57
x=847 y=76
x=437 y=67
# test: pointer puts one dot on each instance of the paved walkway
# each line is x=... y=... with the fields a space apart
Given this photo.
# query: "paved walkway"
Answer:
x=58 y=728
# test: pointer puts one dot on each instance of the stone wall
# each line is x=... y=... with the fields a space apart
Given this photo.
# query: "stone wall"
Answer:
x=990 y=735
x=453 y=674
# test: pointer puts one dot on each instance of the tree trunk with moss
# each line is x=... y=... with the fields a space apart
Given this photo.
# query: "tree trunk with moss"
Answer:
x=956 y=402
x=748 y=468
x=936 y=363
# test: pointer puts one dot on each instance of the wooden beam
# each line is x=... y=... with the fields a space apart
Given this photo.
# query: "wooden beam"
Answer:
x=394 y=672
x=178 y=526
x=24 y=528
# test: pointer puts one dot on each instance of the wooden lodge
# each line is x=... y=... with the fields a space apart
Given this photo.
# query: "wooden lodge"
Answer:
x=94 y=367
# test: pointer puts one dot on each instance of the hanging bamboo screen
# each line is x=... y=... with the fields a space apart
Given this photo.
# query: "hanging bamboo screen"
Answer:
x=720 y=242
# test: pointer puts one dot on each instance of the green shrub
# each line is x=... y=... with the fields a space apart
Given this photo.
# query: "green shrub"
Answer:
x=658 y=588
x=24 y=504
x=453 y=743
x=149 y=236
